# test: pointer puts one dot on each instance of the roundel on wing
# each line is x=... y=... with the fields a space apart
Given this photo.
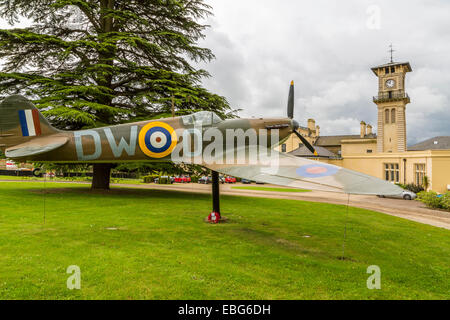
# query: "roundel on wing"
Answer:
x=316 y=170
x=157 y=139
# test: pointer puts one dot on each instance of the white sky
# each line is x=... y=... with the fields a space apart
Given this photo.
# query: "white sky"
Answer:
x=328 y=47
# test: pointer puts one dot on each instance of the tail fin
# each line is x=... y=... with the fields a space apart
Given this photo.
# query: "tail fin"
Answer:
x=20 y=121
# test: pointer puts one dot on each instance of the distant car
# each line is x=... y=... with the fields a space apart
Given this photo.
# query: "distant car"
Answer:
x=11 y=165
x=259 y=182
x=50 y=175
x=246 y=181
x=37 y=172
x=171 y=179
x=230 y=179
x=182 y=179
x=406 y=195
x=205 y=180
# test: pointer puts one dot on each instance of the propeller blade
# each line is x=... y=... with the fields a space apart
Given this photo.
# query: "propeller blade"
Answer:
x=306 y=143
x=290 y=114
x=290 y=106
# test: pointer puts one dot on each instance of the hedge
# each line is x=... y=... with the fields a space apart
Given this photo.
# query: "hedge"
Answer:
x=433 y=200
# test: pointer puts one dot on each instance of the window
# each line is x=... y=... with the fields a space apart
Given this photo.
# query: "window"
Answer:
x=393 y=116
x=391 y=172
x=386 y=116
x=283 y=147
x=419 y=169
x=369 y=150
x=386 y=70
x=392 y=69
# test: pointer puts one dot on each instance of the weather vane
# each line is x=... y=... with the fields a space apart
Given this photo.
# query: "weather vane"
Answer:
x=391 y=50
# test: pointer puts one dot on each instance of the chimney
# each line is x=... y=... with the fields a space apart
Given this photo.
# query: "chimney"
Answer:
x=369 y=129
x=317 y=131
x=363 y=129
x=311 y=124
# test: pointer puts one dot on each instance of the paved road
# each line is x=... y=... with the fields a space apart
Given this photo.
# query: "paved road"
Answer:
x=412 y=210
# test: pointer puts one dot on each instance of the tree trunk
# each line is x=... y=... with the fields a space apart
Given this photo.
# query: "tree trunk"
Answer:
x=101 y=177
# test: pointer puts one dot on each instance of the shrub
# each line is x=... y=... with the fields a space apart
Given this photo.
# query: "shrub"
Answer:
x=414 y=188
x=426 y=183
x=446 y=201
x=194 y=179
x=403 y=186
x=164 y=180
x=433 y=200
x=150 y=178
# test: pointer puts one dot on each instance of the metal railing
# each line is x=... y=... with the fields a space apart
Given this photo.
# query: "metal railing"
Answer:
x=391 y=96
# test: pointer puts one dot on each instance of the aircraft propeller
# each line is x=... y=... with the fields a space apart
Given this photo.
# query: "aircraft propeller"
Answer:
x=290 y=114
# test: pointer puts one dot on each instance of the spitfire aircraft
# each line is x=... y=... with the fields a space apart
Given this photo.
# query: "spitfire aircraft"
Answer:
x=236 y=147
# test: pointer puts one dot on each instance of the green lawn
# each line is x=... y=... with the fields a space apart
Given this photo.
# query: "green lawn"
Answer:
x=162 y=249
x=69 y=179
x=21 y=178
x=271 y=189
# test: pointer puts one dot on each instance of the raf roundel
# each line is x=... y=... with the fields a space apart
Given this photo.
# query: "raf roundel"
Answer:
x=316 y=170
x=157 y=139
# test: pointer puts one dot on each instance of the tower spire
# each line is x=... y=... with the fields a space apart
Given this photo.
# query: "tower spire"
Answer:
x=391 y=50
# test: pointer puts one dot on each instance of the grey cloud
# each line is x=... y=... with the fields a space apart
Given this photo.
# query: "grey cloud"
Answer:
x=326 y=47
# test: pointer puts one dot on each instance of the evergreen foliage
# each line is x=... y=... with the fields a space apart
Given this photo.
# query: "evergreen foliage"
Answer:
x=89 y=63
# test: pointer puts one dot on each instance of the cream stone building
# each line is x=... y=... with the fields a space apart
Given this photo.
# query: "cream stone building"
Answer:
x=384 y=155
x=310 y=133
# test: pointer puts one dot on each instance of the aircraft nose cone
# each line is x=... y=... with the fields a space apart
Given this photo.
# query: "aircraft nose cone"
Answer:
x=294 y=125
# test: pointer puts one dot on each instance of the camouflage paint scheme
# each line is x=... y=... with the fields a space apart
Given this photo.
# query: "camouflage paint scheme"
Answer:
x=107 y=139
x=26 y=135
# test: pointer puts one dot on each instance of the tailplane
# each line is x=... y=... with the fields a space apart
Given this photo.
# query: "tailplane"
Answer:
x=21 y=121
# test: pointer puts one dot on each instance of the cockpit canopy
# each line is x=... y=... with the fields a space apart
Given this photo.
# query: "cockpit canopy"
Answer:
x=202 y=118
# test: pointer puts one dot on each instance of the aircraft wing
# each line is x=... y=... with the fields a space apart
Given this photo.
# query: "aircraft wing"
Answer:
x=36 y=146
x=291 y=171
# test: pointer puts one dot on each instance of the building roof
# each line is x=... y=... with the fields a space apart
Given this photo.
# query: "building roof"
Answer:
x=336 y=140
x=436 y=143
x=304 y=152
x=390 y=64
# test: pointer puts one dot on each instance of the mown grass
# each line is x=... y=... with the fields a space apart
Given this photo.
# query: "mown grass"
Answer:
x=69 y=179
x=270 y=189
x=160 y=248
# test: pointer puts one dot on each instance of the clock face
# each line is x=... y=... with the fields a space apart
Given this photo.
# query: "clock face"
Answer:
x=390 y=83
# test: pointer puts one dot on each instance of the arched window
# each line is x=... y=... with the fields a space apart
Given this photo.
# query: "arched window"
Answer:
x=393 y=116
x=386 y=116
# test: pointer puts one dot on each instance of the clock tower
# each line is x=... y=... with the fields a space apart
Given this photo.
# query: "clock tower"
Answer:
x=391 y=101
